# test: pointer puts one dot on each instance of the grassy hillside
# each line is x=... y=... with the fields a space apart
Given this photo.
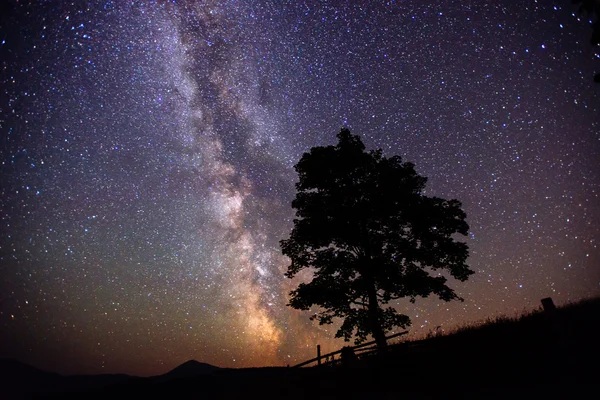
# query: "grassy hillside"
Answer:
x=569 y=334
x=535 y=356
x=544 y=353
x=538 y=355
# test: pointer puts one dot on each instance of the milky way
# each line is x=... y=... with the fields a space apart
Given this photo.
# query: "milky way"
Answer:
x=148 y=152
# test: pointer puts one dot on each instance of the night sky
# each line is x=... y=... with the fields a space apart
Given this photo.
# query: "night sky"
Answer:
x=148 y=152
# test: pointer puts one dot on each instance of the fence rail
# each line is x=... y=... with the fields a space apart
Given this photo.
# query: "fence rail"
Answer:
x=362 y=348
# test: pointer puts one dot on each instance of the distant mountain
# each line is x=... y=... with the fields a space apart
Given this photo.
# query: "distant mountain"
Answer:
x=188 y=369
x=17 y=377
x=87 y=382
x=13 y=369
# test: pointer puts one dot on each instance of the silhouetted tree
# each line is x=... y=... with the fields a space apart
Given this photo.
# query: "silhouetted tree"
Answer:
x=369 y=236
x=592 y=8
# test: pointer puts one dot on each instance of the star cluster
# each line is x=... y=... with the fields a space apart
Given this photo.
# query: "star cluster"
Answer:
x=148 y=152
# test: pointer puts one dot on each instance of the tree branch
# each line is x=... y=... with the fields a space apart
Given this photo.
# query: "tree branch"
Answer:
x=391 y=297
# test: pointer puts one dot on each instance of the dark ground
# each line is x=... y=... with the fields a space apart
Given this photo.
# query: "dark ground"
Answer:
x=539 y=356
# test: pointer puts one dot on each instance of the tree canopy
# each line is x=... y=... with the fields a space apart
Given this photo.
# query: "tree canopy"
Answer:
x=369 y=236
x=592 y=8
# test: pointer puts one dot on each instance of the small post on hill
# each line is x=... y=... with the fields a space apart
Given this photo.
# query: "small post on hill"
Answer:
x=319 y=354
x=552 y=313
x=549 y=306
x=560 y=332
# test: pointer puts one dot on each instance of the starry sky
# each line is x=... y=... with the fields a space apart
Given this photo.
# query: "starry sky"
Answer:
x=148 y=151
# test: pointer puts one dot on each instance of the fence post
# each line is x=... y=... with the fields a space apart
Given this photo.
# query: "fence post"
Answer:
x=319 y=354
x=552 y=313
x=549 y=306
x=563 y=345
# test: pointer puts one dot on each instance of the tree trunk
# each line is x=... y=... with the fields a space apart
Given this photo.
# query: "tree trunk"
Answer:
x=377 y=330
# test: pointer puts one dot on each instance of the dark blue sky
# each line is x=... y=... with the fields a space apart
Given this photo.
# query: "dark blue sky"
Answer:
x=148 y=152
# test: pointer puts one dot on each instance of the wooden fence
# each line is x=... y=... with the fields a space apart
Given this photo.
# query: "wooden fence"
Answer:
x=360 y=350
x=368 y=348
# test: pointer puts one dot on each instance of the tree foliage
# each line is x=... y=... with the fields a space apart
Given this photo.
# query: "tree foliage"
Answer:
x=370 y=236
x=592 y=8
